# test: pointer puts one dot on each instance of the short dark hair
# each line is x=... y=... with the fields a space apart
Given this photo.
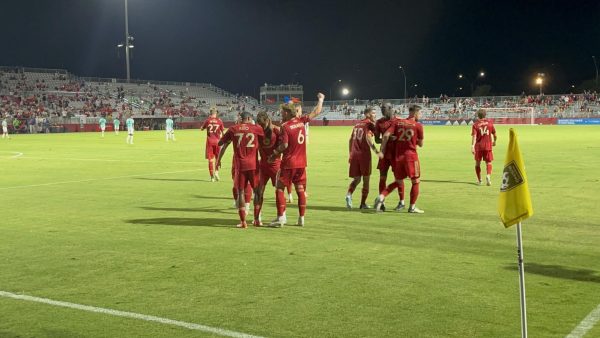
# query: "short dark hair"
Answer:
x=481 y=113
x=413 y=109
x=368 y=110
x=245 y=115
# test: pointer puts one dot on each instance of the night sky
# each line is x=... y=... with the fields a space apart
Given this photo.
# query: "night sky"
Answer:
x=240 y=45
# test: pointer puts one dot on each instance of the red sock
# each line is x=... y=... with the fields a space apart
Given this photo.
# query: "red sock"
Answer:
x=478 y=172
x=382 y=184
x=401 y=190
x=301 y=201
x=242 y=213
x=489 y=168
x=211 y=169
x=414 y=193
x=351 y=188
x=280 y=201
x=363 y=196
x=248 y=193
x=235 y=193
x=387 y=190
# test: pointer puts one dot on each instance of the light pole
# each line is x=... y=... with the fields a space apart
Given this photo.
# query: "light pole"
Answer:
x=596 y=66
x=128 y=44
x=404 y=74
x=481 y=75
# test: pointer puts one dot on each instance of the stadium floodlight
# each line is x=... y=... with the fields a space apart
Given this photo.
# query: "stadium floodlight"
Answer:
x=460 y=76
x=120 y=45
x=130 y=46
x=345 y=91
x=539 y=80
x=482 y=74
x=404 y=74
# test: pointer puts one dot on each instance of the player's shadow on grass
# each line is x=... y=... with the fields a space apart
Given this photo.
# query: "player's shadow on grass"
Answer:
x=447 y=181
x=171 y=179
x=559 y=271
x=183 y=221
x=211 y=210
x=214 y=197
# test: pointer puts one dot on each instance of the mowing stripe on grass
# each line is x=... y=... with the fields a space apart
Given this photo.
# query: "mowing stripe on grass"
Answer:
x=102 y=160
x=117 y=313
x=586 y=324
x=96 y=179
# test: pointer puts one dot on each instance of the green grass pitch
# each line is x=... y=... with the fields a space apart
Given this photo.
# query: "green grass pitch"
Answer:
x=140 y=228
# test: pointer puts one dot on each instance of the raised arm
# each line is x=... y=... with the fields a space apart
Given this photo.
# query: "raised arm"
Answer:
x=318 y=108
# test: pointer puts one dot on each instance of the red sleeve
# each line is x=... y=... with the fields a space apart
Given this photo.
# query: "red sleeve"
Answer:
x=305 y=118
x=391 y=129
x=259 y=132
x=419 y=131
x=371 y=127
x=228 y=137
x=284 y=136
x=204 y=124
x=493 y=131
x=473 y=130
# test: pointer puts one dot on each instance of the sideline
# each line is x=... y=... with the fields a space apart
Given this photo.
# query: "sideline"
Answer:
x=117 y=313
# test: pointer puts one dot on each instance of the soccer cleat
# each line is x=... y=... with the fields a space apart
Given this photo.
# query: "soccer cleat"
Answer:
x=278 y=222
x=301 y=221
x=212 y=179
x=217 y=178
x=348 y=201
x=257 y=223
x=488 y=181
x=400 y=206
x=364 y=206
x=242 y=225
x=378 y=205
x=382 y=206
x=478 y=182
x=415 y=210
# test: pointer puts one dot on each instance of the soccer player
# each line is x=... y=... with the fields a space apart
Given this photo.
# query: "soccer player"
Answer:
x=481 y=145
x=5 y=128
x=244 y=136
x=169 y=128
x=102 y=123
x=116 y=124
x=267 y=170
x=293 y=163
x=408 y=134
x=130 y=129
x=385 y=163
x=214 y=130
x=360 y=145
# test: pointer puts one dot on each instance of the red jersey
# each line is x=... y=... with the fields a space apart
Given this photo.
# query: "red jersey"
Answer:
x=268 y=146
x=483 y=129
x=245 y=145
x=214 y=130
x=408 y=132
x=359 y=147
x=293 y=132
x=381 y=126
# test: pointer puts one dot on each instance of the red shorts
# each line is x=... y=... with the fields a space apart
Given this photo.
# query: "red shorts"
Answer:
x=384 y=164
x=407 y=166
x=485 y=155
x=360 y=168
x=242 y=178
x=268 y=173
x=212 y=151
x=289 y=176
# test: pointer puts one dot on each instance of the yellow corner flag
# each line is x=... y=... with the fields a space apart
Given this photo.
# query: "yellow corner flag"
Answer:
x=514 y=204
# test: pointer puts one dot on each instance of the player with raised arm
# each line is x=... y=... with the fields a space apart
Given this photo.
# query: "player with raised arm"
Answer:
x=102 y=123
x=244 y=136
x=116 y=124
x=214 y=130
x=360 y=146
x=293 y=163
x=384 y=164
x=130 y=129
x=169 y=129
x=267 y=170
x=481 y=145
x=5 y=128
x=409 y=135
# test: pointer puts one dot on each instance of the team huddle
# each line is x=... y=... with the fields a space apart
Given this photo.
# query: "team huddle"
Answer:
x=265 y=152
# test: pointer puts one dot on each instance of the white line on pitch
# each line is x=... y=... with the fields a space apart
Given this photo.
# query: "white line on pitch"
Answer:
x=191 y=326
x=17 y=154
x=586 y=324
x=97 y=179
x=101 y=160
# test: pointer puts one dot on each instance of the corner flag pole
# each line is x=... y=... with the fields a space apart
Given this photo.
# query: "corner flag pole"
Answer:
x=522 y=282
